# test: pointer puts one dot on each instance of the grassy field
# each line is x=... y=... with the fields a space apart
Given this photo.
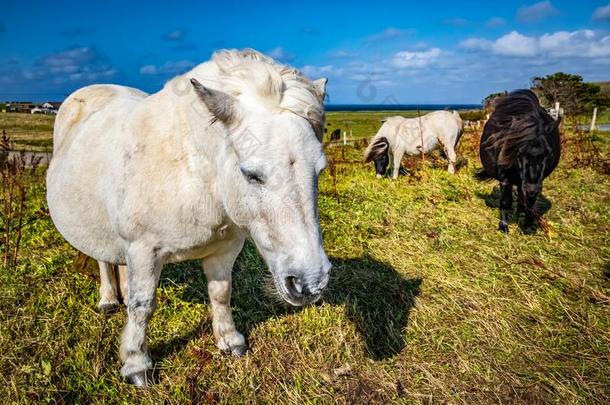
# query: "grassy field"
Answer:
x=29 y=131
x=428 y=302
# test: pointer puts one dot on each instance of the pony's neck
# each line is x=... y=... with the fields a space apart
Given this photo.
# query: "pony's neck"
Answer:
x=188 y=127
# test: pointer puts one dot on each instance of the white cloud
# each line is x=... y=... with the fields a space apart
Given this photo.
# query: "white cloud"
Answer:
x=416 y=59
x=389 y=33
x=602 y=13
x=79 y=64
x=515 y=44
x=168 y=68
x=582 y=43
x=495 y=22
x=148 y=70
x=175 y=36
x=561 y=44
x=341 y=53
x=476 y=44
x=314 y=72
x=280 y=54
x=536 y=12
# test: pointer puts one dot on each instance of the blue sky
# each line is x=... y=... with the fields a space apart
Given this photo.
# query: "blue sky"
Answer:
x=372 y=51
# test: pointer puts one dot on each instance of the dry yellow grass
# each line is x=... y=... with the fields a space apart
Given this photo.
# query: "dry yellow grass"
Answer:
x=29 y=131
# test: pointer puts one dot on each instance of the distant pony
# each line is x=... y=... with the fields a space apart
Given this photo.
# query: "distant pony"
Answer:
x=335 y=135
x=520 y=146
x=399 y=135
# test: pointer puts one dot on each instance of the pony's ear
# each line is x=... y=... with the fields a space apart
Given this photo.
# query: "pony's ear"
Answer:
x=220 y=104
x=320 y=86
x=376 y=149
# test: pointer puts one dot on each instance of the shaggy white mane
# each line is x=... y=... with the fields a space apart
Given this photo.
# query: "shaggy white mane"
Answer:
x=280 y=86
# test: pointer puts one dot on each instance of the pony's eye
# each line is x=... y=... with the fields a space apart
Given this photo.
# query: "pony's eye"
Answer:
x=252 y=176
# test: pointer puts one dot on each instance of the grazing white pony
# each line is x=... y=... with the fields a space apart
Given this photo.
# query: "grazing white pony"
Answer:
x=399 y=135
x=228 y=150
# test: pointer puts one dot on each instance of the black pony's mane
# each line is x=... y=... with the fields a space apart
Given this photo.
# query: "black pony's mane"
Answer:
x=517 y=120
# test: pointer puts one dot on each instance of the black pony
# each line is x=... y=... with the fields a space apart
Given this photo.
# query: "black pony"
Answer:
x=520 y=146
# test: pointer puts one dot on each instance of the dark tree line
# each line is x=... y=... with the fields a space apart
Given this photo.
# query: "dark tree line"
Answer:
x=575 y=96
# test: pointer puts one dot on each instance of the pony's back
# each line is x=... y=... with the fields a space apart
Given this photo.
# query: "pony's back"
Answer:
x=517 y=119
x=83 y=103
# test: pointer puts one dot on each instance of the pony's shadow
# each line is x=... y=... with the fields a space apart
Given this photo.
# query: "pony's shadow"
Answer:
x=541 y=206
x=376 y=298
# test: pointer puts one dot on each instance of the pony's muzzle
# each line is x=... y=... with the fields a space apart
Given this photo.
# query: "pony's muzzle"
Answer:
x=531 y=190
x=302 y=289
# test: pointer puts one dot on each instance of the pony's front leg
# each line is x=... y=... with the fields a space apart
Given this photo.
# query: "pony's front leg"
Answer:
x=109 y=300
x=143 y=267
x=397 y=158
x=506 y=202
x=531 y=217
x=527 y=206
x=218 y=269
x=520 y=200
x=452 y=157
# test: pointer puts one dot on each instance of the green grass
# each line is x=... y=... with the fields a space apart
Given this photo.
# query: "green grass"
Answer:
x=428 y=302
x=29 y=131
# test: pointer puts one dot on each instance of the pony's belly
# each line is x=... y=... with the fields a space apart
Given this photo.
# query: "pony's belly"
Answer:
x=414 y=149
x=430 y=145
x=194 y=253
x=81 y=219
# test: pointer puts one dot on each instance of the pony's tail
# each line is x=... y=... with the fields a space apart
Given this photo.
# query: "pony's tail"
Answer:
x=481 y=175
x=378 y=147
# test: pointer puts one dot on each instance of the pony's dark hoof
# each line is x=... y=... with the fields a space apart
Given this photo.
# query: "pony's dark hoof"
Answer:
x=503 y=226
x=141 y=379
x=530 y=226
x=109 y=308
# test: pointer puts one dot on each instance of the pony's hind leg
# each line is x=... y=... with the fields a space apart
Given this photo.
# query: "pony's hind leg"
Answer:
x=218 y=269
x=109 y=299
x=397 y=158
x=451 y=157
x=526 y=207
x=122 y=281
x=144 y=267
x=506 y=202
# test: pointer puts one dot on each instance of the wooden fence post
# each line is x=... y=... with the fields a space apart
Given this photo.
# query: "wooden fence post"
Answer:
x=593 y=119
x=556 y=110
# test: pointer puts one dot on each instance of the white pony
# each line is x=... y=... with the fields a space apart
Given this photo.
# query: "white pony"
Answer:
x=399 y=135
x=228 y=150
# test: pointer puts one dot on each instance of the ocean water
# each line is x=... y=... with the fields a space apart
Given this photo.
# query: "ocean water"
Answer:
x=400 y=107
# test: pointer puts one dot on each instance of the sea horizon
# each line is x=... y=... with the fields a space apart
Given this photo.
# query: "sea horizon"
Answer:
x=400 y=107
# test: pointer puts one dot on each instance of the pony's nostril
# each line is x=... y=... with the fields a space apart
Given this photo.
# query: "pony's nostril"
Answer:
x=294 y=285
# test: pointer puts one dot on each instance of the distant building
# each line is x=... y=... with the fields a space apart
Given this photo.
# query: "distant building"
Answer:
x=28 y=107
x=20 y=106
x=54 y=104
